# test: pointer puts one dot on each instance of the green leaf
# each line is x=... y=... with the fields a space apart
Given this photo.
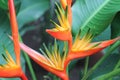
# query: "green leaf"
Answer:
x=112 y=74
x=106 y=67
x=105 y=35
x=31 y=10
x=115 y=26
x=3 y=4
x=94 y=14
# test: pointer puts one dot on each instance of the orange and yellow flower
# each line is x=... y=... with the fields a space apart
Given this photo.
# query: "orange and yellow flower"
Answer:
x=11 y=69
x=56 y=63
x=62 y=31
x=51 y=60
x=83 y=47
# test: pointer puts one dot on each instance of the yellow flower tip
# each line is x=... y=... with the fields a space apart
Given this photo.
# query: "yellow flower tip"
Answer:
x=81 y=44
x=64 y=3
x=9 y=62
x=59 y=28
x=54 y=58
x=62 y=16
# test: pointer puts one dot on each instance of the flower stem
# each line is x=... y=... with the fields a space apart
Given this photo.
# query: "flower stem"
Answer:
x=116 y=67
x=30 y=66
x=111 y=49
x=29 y=63
x=86 y=65
x=23 y=77
x=65 y=78
x=109 y=75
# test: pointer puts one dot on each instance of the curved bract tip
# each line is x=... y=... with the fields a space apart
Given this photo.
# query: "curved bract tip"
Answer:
x=84 y=53
x=61 y=35
x=42 y=60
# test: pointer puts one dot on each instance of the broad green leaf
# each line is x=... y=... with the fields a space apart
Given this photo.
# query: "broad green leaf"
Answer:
x=105 y=35
x=106 y=67
x=115 y=26
x=3 y=4
x=94 y=14
x=31 y=10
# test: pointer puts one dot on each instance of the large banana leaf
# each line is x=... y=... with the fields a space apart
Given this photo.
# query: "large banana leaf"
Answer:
x=31 y=10
x=94 y=14
x=115 y=26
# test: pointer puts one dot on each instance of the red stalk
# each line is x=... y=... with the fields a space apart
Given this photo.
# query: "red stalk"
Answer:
x=12 y=72
x=23 y=76
x=69 y=2
x=15 y=35
x=14 y=27
x=70 y=42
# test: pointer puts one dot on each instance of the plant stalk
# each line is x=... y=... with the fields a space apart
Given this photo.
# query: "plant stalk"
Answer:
x=29 y=63
x=86 y=65
x=109 y=75
x=116 y=67
x=111 y=49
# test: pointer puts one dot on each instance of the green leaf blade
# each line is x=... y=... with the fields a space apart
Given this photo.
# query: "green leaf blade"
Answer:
x=95 y=14
x=31 y=10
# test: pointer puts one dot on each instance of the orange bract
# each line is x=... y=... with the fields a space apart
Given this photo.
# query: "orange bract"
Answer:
x=51 y=61
x=62 y=31
x=84 y=48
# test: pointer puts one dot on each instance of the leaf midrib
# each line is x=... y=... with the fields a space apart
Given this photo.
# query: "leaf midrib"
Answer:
x=96 y=11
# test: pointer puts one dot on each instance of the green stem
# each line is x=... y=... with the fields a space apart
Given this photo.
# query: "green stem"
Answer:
x=86 y=65
x=111 y=49
x=116 y=67
x=30 y=66
x=109 y=75
x=29 y=63
x=67 y=71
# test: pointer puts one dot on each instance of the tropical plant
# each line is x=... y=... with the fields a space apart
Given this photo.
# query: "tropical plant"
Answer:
x=81 y=26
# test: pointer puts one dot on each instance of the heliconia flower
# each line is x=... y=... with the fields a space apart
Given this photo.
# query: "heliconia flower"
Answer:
x=62 y=31
x=51 y=60
x=12 y=69
x=83 y=47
